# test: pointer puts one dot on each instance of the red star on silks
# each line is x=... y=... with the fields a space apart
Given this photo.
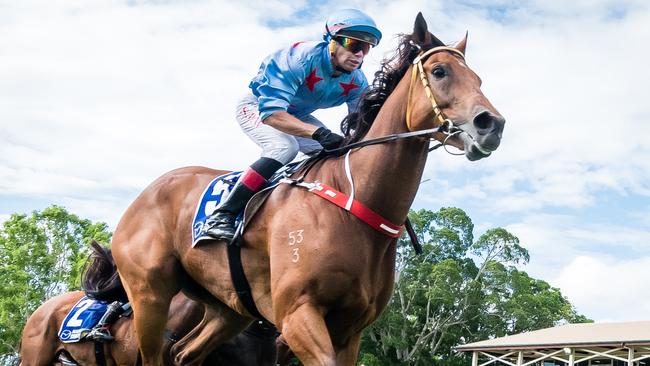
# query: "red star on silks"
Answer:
x=347 y=87
x=312 y=79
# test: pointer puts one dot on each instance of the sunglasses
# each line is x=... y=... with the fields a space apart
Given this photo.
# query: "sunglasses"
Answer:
x=354 y=45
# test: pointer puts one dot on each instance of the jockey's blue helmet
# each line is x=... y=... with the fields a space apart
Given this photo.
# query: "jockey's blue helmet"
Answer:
x=352 y=23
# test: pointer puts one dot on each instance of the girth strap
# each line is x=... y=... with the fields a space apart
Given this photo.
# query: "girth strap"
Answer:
x=100 y=356
x=240 y=282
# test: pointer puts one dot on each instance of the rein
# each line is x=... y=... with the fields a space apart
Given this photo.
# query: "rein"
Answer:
x=447 y=128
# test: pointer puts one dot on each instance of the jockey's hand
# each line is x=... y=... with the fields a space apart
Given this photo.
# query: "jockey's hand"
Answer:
x=327 y=138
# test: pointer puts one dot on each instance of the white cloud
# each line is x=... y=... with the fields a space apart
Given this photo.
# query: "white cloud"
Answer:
x=608 y=289
x=598 y=266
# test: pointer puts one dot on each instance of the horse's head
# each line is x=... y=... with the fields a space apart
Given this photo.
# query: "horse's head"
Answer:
x=454 y=94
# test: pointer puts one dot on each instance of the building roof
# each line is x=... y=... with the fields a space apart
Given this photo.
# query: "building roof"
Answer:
x=571 y=335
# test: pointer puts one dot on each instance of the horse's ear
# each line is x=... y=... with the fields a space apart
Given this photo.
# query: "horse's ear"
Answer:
x=421 y=34
x=462 y=44
x=420 y=29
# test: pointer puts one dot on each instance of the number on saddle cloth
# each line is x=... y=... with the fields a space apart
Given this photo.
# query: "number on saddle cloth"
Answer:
x=216 y=192
x=83 y=316
x=219 y=188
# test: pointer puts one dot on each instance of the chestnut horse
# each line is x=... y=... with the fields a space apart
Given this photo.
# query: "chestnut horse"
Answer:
x=317 y=272
x=40 y=345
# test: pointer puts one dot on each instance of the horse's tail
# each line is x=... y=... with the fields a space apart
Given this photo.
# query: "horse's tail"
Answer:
x=100 y=279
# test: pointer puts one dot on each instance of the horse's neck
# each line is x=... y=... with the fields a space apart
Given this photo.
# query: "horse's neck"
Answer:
x=387 y=176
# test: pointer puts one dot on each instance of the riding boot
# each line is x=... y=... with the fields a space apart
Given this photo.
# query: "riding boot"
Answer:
x=221 y=224
x=101 y=332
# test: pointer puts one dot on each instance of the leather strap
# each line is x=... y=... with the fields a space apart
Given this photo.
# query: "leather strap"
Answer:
x=358 y=209
x=240 y=282
x=413 y=236
x=418 y=68
x=100 y=357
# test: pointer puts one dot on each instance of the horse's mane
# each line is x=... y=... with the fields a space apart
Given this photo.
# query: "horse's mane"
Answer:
x=100 y=279
x=356 y=124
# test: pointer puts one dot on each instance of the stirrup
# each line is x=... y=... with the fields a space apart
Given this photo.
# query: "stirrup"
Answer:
x=100 y=335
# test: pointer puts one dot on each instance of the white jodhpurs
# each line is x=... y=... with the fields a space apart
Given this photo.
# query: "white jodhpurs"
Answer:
x=275 y=144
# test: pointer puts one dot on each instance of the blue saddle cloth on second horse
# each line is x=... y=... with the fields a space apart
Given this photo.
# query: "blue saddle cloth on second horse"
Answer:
x=219 y=188
x=83 y=316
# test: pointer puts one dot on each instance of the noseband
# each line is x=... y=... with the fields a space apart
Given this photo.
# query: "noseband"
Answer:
x=419 y=68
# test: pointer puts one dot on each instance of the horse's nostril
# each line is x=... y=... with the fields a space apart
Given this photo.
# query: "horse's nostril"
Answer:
x=483 y=121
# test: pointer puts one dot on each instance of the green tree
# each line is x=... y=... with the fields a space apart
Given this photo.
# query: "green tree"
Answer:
x=513 y=302
x=42 y=255
x=458 y=290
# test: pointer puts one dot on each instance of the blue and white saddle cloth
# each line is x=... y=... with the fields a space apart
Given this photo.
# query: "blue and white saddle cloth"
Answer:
x=83 y=316
x=219 y=188
x=215 y=193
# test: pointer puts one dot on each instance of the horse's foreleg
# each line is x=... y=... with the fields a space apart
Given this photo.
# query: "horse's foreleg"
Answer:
x=149 y=317
x=306 y=333
x=348 y=354
x=219 y=324
x=151 y=279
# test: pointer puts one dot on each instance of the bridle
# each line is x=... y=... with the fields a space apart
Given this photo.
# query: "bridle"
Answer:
x=419 y=68
x=445 y=125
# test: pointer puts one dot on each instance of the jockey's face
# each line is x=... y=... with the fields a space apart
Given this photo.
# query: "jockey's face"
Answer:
x=346 y=59
x=349 y=53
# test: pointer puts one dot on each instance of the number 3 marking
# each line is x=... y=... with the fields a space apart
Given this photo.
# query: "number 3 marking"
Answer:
x=296 y=256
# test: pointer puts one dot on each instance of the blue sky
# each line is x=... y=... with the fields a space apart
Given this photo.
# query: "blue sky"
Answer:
x=98 y=99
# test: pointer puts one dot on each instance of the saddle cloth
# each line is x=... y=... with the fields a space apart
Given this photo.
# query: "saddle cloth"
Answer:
x=218 y=190
x=83 y=316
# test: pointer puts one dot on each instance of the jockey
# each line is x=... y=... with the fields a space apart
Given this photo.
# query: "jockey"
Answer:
x=292 y=83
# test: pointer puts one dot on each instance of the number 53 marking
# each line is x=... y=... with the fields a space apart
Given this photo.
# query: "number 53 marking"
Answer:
x=295 y=237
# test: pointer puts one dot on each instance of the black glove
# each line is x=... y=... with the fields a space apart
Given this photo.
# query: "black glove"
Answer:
x=327 y=138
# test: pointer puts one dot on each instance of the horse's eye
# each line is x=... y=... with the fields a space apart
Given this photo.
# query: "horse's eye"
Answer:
x=439 y=72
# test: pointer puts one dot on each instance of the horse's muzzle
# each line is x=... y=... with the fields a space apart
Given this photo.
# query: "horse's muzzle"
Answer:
x=491 y=126
x=483 y=135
